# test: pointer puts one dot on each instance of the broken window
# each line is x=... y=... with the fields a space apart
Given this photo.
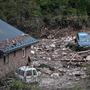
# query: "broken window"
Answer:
x=20 y=72
x=34 y=72
x=29 y=73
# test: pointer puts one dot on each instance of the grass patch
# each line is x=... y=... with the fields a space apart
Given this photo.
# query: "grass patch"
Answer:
x=18 y=85
x=75 y=47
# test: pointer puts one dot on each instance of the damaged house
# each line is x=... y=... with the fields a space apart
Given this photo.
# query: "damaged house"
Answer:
x=14 y=48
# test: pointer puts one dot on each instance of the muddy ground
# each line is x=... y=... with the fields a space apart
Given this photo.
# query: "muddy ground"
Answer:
x=61 y=68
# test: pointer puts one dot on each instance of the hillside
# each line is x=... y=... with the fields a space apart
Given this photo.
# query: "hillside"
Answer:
x=31 y=16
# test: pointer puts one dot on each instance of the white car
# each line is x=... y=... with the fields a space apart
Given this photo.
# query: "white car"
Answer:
x=27 y=74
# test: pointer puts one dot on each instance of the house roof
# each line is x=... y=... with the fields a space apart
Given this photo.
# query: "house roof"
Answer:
x=7 y=31
x=26 y=41
x=12 y=39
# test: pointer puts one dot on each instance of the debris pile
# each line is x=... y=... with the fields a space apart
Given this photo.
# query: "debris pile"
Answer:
x=59 y=65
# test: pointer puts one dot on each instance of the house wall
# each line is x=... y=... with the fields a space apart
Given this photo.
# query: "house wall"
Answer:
x=13 y=61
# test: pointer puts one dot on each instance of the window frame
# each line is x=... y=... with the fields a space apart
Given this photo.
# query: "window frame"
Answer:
x=23 y=52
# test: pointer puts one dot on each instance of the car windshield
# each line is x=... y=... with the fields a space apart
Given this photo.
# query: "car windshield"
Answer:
x=85 y=38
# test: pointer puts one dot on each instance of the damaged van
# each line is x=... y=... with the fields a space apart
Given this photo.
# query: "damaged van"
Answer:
x=27 y=74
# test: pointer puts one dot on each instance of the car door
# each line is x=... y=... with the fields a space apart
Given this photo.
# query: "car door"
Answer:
x=29 y=75
x=20 y=74
x=35 y=75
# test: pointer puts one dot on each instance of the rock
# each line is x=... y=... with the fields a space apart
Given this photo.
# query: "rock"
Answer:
x=32 y=46
x=36 y=63
x=85 y=68
x=83 y=76
x=63 y=49
x=62 y=70
x=43 y=57
x=70 y=74
x=58 y=63
x=32 y=52
x=55 y=75
x=88 y=58
x=64 y=53
x=49 y=58
x=68 y=39
x=47 y=71
x=52 y=45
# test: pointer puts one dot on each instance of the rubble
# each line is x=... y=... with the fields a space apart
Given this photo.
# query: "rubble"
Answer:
x=88 y=57
x=60 y=66
x=46 y=71
x=55 y=75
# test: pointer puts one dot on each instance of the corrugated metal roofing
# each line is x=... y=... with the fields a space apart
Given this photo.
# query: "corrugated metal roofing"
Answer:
x=7 y=31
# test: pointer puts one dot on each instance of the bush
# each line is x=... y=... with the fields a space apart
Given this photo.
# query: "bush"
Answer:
x=18 y=85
